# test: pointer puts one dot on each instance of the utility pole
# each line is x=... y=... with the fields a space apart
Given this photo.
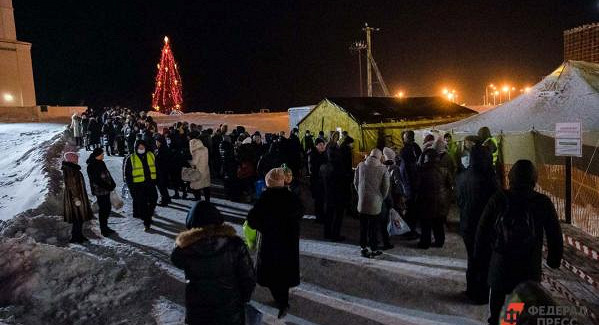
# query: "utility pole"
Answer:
x=368 y=30
x=358 y=47
x=371 y=64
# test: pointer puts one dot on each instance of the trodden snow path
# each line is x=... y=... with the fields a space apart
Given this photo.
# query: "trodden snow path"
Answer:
x=169 y=221
x=22 y=150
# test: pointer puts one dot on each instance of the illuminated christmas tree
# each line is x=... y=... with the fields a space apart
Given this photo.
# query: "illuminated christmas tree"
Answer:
x=168 y=93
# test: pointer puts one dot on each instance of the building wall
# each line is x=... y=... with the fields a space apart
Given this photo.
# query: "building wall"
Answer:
x=39 y=113
x=16 y=71
x=582 y=43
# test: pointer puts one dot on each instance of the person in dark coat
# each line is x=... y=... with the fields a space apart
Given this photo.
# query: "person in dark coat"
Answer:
x=177 y=163
x=94 y=131
x=218 y=268
x=216 y=163
x=293 y=152
x=434 y=195
x=409 y=155
x=108 y=135
x=276 y=215
x=229 y=166
x=102 y=185
x=271 y=159
x=163 y=162
x=316 y=158
x=77 y=208
x=140 y=176
x=509 y=265
x=475 y=185
x=335 y=180
x=84 y=128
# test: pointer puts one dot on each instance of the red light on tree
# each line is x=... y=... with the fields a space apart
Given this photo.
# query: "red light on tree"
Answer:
x=168 y=93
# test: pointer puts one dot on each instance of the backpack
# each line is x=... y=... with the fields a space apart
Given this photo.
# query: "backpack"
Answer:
x=515 y=231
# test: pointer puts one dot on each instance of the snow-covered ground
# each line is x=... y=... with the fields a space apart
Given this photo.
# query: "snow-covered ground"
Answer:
x=22 y=150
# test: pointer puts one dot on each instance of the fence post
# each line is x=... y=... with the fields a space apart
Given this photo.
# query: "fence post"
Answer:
x=568 y=205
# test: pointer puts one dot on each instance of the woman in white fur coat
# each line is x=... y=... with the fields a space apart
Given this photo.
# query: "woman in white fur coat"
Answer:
x=199 y=161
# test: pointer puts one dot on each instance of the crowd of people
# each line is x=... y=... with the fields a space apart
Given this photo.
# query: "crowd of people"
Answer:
x=502 y=229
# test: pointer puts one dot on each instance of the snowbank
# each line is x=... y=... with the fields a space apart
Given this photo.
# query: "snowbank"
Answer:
x=47 y=284
x=27 y=153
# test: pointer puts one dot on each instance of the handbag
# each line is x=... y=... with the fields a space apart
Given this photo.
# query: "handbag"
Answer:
x=116 y=201
x=252 y=315
x=397 y=226
x=190 y=174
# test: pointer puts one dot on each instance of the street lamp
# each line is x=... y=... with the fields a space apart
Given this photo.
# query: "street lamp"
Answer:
x=400 y=94
x=486 y=102
x=495 y=96
x=8 y=97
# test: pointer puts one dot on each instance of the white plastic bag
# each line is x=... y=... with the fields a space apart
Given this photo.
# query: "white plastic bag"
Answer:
x=125 y=193
x=116 y=201
x=397 y=226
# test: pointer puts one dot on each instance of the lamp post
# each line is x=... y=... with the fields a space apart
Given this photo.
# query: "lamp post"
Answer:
x=487 y=101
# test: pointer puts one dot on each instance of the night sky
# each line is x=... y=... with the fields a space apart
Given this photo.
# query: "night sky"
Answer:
x=279 y=54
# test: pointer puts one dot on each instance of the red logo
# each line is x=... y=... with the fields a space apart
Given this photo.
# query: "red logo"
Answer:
x=514 y=309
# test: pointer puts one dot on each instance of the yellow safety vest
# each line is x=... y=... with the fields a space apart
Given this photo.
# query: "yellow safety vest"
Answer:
x=496 y=152
x=138 y=169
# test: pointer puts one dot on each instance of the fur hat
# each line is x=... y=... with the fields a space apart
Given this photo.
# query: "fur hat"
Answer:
x=275 y=177
x=389 y=154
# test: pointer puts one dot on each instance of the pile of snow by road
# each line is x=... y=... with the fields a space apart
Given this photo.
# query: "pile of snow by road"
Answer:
x=48 y=284
x=23 y=165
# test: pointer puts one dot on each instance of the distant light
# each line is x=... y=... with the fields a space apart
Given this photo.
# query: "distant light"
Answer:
x=496 y=92
x=8 y=97
x=166 y=39
x=506 y=89
x=400 y=94
x=526 y=89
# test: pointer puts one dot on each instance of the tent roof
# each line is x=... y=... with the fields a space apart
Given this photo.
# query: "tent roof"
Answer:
x=568 y=94
x=384 y=109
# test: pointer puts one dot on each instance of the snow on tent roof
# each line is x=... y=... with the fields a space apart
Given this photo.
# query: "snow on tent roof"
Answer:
x=383 y=109
x=568 y=94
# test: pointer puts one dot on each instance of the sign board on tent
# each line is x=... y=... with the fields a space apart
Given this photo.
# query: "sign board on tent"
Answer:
x=568 y=139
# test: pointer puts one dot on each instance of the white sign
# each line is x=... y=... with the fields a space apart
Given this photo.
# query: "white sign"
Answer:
x=568 y=139
x=568 y=131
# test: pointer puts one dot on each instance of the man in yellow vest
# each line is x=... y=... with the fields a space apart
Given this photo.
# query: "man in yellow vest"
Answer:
x=140 y=175
x=490 y=142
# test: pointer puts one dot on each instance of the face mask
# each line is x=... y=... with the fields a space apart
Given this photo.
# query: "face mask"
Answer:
x=465 y=161
x=141 y=151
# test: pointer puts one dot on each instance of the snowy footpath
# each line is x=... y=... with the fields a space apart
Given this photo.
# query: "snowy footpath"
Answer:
x=128 y=278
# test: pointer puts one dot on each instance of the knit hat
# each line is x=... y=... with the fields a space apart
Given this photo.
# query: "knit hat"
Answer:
x=319 y=140
x=376 y=153
x=275 y=177
x=71 y=157
x=389 y=154
x=203 y=214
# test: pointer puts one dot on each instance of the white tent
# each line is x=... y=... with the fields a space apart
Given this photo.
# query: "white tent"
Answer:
x=569 y=94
